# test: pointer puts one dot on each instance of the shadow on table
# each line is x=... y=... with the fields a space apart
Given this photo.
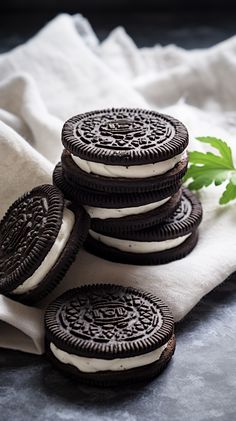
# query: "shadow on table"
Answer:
x=67 y=389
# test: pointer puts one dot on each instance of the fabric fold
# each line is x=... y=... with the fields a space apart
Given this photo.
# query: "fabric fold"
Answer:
x=21 y=325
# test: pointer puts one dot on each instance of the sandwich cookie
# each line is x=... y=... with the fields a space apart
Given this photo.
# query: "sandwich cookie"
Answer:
x=40 y=236
x=111 y=213
x=173 y=239
x=124 y=150
x=108 y=334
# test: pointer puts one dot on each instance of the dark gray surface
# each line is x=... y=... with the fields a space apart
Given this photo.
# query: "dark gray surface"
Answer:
x=200 y=383
x=196 y=29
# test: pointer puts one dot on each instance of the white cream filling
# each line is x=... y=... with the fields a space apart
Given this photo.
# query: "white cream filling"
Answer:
x=105 y=213
x=132 y=171
x=52 y=256
x=93 y=365
x=138 y=246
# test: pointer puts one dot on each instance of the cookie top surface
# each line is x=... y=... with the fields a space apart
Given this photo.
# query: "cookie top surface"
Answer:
x=183 y=221
x=27 y=232
x=123 y=136
x=108 y=321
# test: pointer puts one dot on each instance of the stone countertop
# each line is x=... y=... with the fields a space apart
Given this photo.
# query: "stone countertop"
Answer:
x=200 y=382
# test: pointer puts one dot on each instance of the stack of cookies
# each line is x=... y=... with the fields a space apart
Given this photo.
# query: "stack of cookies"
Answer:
x=125 y=167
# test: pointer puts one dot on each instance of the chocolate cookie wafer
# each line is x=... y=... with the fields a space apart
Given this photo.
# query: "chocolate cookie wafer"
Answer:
x=111 y=213
x=108 y=335
x=124 y=150
x=39 y=238
x=173 y=239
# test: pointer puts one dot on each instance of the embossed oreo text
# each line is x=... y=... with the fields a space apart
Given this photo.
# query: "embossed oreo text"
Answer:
x=112 y=317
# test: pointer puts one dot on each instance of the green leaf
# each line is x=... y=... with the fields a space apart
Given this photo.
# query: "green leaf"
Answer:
x=221 y=177
x=229 y=193
x=221 y=146
x=209 y=159
x=199 y=182
x=195 y=171
x=207 y=168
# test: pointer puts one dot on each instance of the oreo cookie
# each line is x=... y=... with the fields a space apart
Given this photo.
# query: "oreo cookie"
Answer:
x=75 y=176
x=173 y=239
x=124 y=150
x=111 y=213
x=40 y=236
x=108 y=334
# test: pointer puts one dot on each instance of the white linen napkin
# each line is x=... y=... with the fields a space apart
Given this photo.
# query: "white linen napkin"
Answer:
x=64 y=70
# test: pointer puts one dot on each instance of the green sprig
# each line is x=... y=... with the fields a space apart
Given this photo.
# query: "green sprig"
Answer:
x=208 y=168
